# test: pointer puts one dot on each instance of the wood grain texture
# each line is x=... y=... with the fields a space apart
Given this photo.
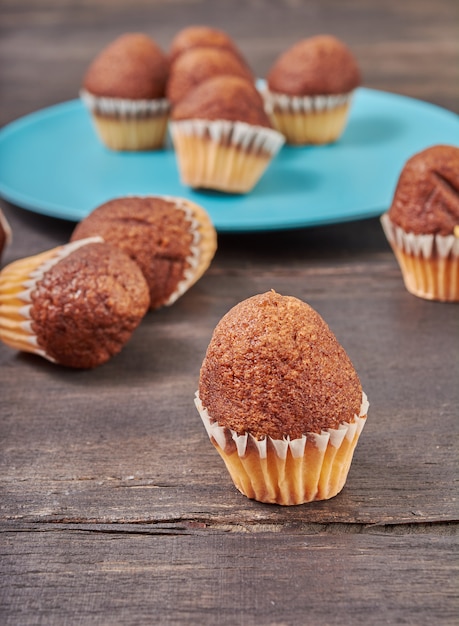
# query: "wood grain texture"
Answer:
x=114 y=506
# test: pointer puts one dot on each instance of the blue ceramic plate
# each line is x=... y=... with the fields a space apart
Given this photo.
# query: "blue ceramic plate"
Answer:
x=51 y=162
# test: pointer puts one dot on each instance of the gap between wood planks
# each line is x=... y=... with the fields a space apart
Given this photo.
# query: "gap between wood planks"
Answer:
x=198 y=526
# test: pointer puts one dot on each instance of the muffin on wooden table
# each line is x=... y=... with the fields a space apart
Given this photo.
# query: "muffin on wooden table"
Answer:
x=422 y=224
x=172 y=240
x=125 y=90
x=281 y=401
x=309 y=90
x=76 y=305
x=222 y=135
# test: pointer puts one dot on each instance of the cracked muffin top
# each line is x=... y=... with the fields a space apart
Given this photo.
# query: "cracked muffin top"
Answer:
x=274 y=368
x=199 y=64
x=426 y=199
x=132 y=67
x=321 y=65
x=223 y=98
x=85 y=307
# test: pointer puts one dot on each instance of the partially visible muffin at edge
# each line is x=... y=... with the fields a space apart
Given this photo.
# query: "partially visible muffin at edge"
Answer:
x=125 y=91
x=171 y=239
x=222 y=135
x=276 y=387
x=76 y=305
x=422 y=223
x=309 y=89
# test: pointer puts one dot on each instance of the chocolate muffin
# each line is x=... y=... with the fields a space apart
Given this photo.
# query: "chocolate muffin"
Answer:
x=423 y=221
x=76 y=305
x=222 y=135
x=125 y=90
x=310 y=87
x=199 y=64
x=281 y=400
x=201 y=36
x=171 y=239
x=5 y=233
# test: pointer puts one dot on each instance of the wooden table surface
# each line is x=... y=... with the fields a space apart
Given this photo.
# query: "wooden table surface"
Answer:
x=115 y=507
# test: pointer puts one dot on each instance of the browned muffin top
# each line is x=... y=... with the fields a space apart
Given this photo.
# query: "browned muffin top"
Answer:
x=152 y=231
x=223 y=98
x=274 y=368
x=321 y=65
x=199 y=64
x=426 y=199
x=199 y=36
x=87 y=305
x=133 y=67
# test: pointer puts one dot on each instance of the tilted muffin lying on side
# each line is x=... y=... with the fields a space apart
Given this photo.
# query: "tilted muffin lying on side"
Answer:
x=422 y=224
x=310 y=88
x=281 y=401
x=76 y=305
x=125 y=90
x=222 y=136
x=172 y=240
x=197 y=65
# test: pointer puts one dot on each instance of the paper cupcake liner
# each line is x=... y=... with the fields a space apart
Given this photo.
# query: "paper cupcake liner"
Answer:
x=287 y=471
x=203 y=248
x=123 y=107
x=308 y=119
x=18 y=281
x=429 y=263
x=223 y=155
x=129 y=124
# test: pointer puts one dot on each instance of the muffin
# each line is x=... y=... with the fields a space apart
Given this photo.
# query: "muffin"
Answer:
x=199 y=37
x=309 y=90
x=125 y=90
x=222 y=135
x=172 y=240
x=199 y=64
x=76 y=305
x=281 y=401
x=422 y=224
x=5 y=233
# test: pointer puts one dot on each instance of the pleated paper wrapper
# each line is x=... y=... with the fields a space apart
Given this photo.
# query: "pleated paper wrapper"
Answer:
x=223 y=155
x=287 y=471
x=129 y=125
x=18 y=281
x=429 y=263
x=305 y=120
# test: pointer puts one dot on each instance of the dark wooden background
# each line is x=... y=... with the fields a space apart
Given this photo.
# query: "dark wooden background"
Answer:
x=115 y=508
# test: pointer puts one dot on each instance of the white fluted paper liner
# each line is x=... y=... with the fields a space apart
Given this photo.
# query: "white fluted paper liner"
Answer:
x=18 y=281
x=202 y=248
x=319 y=462
x=429 y=263
x=304 y=104
x=124 y=107
x=308 y=120
x=223 y=155
x=250 y=138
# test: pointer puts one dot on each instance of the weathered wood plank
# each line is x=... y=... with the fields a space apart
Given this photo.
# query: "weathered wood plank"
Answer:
x=211 y=577
x=124 y=441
